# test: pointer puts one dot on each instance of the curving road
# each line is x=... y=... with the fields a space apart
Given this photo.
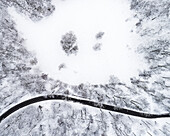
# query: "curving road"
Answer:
x=84 y=102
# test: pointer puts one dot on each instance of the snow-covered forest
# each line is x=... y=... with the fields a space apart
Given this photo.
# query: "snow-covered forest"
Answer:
x=114 y=52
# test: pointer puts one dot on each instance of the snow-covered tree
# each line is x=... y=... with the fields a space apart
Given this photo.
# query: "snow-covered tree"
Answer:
x=69 y=43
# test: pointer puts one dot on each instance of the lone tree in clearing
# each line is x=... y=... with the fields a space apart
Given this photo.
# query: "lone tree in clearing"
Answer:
x=99 y=35
x=69 y=44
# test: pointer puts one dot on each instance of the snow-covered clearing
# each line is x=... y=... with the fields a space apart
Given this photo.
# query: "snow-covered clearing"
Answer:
x=85 y=18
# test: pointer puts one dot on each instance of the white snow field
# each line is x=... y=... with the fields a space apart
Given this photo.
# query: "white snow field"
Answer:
x=85 y=18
